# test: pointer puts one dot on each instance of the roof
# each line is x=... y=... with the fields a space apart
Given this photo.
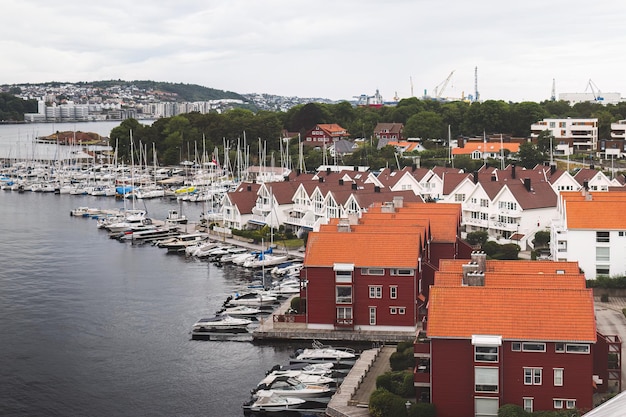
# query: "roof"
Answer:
x=490 y=147
x=595 y=215
x=612 y=408
x=521 y=280
x=324 y=249
x=540 y=314
x=244 y=197
x=520 y=266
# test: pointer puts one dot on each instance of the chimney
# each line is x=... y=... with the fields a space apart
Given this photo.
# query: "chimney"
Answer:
x=475 y=174
x=327 y=170
x=354 y=186
x=513 y=171
x=493 y=177
x=475 y=279
x=387 y=208
x=469 y=270
x=592 y=166
x=586 y=185
x=527 y=184
x=344 y=225
x=480 y=258
x=355 y=168
x=552 y=169
x=286 y=178
x=298 y=172
x=340 y=181
x=321 y=179
x=398 y=201
x=413 y=167
x=249 y=187
x=376 y=189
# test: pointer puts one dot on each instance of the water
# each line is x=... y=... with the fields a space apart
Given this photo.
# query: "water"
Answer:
x=17 y=140
x=90 y=326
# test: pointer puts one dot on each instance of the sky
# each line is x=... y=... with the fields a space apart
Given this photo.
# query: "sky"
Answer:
x=324 y=49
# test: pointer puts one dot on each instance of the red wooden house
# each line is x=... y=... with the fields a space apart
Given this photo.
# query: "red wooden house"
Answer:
x=510 y=332
x=366 y=274
x=325 y=134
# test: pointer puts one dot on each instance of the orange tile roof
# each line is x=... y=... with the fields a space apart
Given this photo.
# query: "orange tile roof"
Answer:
x=514 y=267
x=508 y=280
x=362 y=249
x=514 y=313
x=595 y=215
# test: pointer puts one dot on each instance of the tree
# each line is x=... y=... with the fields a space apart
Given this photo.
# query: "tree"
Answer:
x=545 y=142
x=383 y=403
x=512 y=410
x=477 y=238
x=529 y=155
x=425 y=124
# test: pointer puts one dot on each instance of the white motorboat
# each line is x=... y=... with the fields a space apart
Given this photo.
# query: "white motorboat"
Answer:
x=269 y=401
x=200 y=249
x=287 y=269
x=222 y=322
x=320 y=352
x=253 y=299
x=293 y=388
x=176 y=217
x=299 y=375
x=179 y=243
x=265 y=260
x=241 y=311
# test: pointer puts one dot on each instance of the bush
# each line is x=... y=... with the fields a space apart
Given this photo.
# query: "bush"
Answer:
x=512 y=410
x=477 y=238
x=542 y=239
x=399 y=383
x=295 y=305
x=383 y=403
x=401 y=361
x=422 y=410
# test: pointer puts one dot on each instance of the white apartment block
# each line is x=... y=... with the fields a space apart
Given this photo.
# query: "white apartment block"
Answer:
x=570 y=135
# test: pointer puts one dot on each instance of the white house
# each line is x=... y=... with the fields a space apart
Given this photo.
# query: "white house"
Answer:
x=570 y=135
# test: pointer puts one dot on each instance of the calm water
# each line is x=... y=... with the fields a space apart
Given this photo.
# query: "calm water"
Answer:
x=90 y=326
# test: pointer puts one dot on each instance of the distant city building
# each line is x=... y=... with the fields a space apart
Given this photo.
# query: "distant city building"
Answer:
x=570 y=135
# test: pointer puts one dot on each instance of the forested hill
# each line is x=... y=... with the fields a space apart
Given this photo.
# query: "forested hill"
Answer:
x=13 y=108
x=181 y=92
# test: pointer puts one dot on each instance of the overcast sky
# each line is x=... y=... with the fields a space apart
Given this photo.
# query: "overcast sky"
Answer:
x=331 y=49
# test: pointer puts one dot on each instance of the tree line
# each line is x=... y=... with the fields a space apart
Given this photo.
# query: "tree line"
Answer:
x=179 y=137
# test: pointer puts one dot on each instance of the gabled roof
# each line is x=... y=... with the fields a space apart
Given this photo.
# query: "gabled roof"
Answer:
x=595 y=215
x=540 y=195
x=388 y=127
x=333 y=129
x=585 y=174
x=490 y=147
x=283 y=191
x=451 y=181
x=244 y=197
x=535 y=314
x=324 y=249
x=512 y=280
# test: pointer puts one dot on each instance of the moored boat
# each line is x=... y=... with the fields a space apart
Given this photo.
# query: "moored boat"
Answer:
x=222 y=322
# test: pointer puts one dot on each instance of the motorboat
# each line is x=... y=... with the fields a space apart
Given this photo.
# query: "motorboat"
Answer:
x=175 y=217
x=301 y=376
x=179 y=243
x=200 y=249
x=253 y=299
x=265 y=260
x=324 y=353
x=268 y=401
x=241 y=311
x=291 y=387
x=287 y=269
x=221 y=322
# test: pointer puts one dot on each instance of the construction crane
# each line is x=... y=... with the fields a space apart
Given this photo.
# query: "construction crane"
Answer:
x=553 y=95
x=442 y=87
x=597 y=96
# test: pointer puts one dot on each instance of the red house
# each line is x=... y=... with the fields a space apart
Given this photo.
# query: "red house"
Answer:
x=325 y=134
x=510 y=332
x=366 y=274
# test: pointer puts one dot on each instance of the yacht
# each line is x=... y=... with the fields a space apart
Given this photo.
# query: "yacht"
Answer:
x=222 y=322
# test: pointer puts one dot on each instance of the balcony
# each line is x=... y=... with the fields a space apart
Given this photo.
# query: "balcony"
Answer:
x=344 y=324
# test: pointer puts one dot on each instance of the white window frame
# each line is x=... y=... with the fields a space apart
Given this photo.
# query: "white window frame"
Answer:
x=484 y=377
x=343 y=299
x=527 y=347
x=393 y=292
x=478 y=413
x=401 y=310
x=486 y=354
x=393 y=310
x=558 y=377
x=533 y=376
x=376 y=291
x=529 y=404
x=372 y=316
x=557 y=404
x=516 y=346
x=373 y=271
x=572 y=348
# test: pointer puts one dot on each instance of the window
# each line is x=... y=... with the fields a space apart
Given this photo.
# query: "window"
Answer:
x=559 y=347
x=558 y=377
x=622 y=234
x=343 y=294
x=372 y=316
x=343 y=276
x=528 y=404
x=486 y=379
x=401 y=310
x=402 y=272
x=602 y=237
x=532 y=376
x=486 y=407
x=533 y=347
x=602 y=254
x=376 y=291
x=486 y=353
x=459 y=198
x=558 y=404
x=393 y=310
x=516 y=346
x=372 y=271
x=576 y=348
x=393 y=292
x=570 y=404
x=484 y=202
x=602 y=270
x=344 y=314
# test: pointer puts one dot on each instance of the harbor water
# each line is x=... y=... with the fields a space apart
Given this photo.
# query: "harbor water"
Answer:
x=94 y=327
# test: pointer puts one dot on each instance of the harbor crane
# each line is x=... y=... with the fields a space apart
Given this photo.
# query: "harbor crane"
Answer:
x=442 y=87
x=597 y=96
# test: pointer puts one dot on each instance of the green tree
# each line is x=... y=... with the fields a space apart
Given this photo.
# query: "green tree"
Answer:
x=542 y=239
x=529 y=155
x=426 y=125
x=477 y=238
x=512 y=410
x=545 y=142
x=383 y=403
